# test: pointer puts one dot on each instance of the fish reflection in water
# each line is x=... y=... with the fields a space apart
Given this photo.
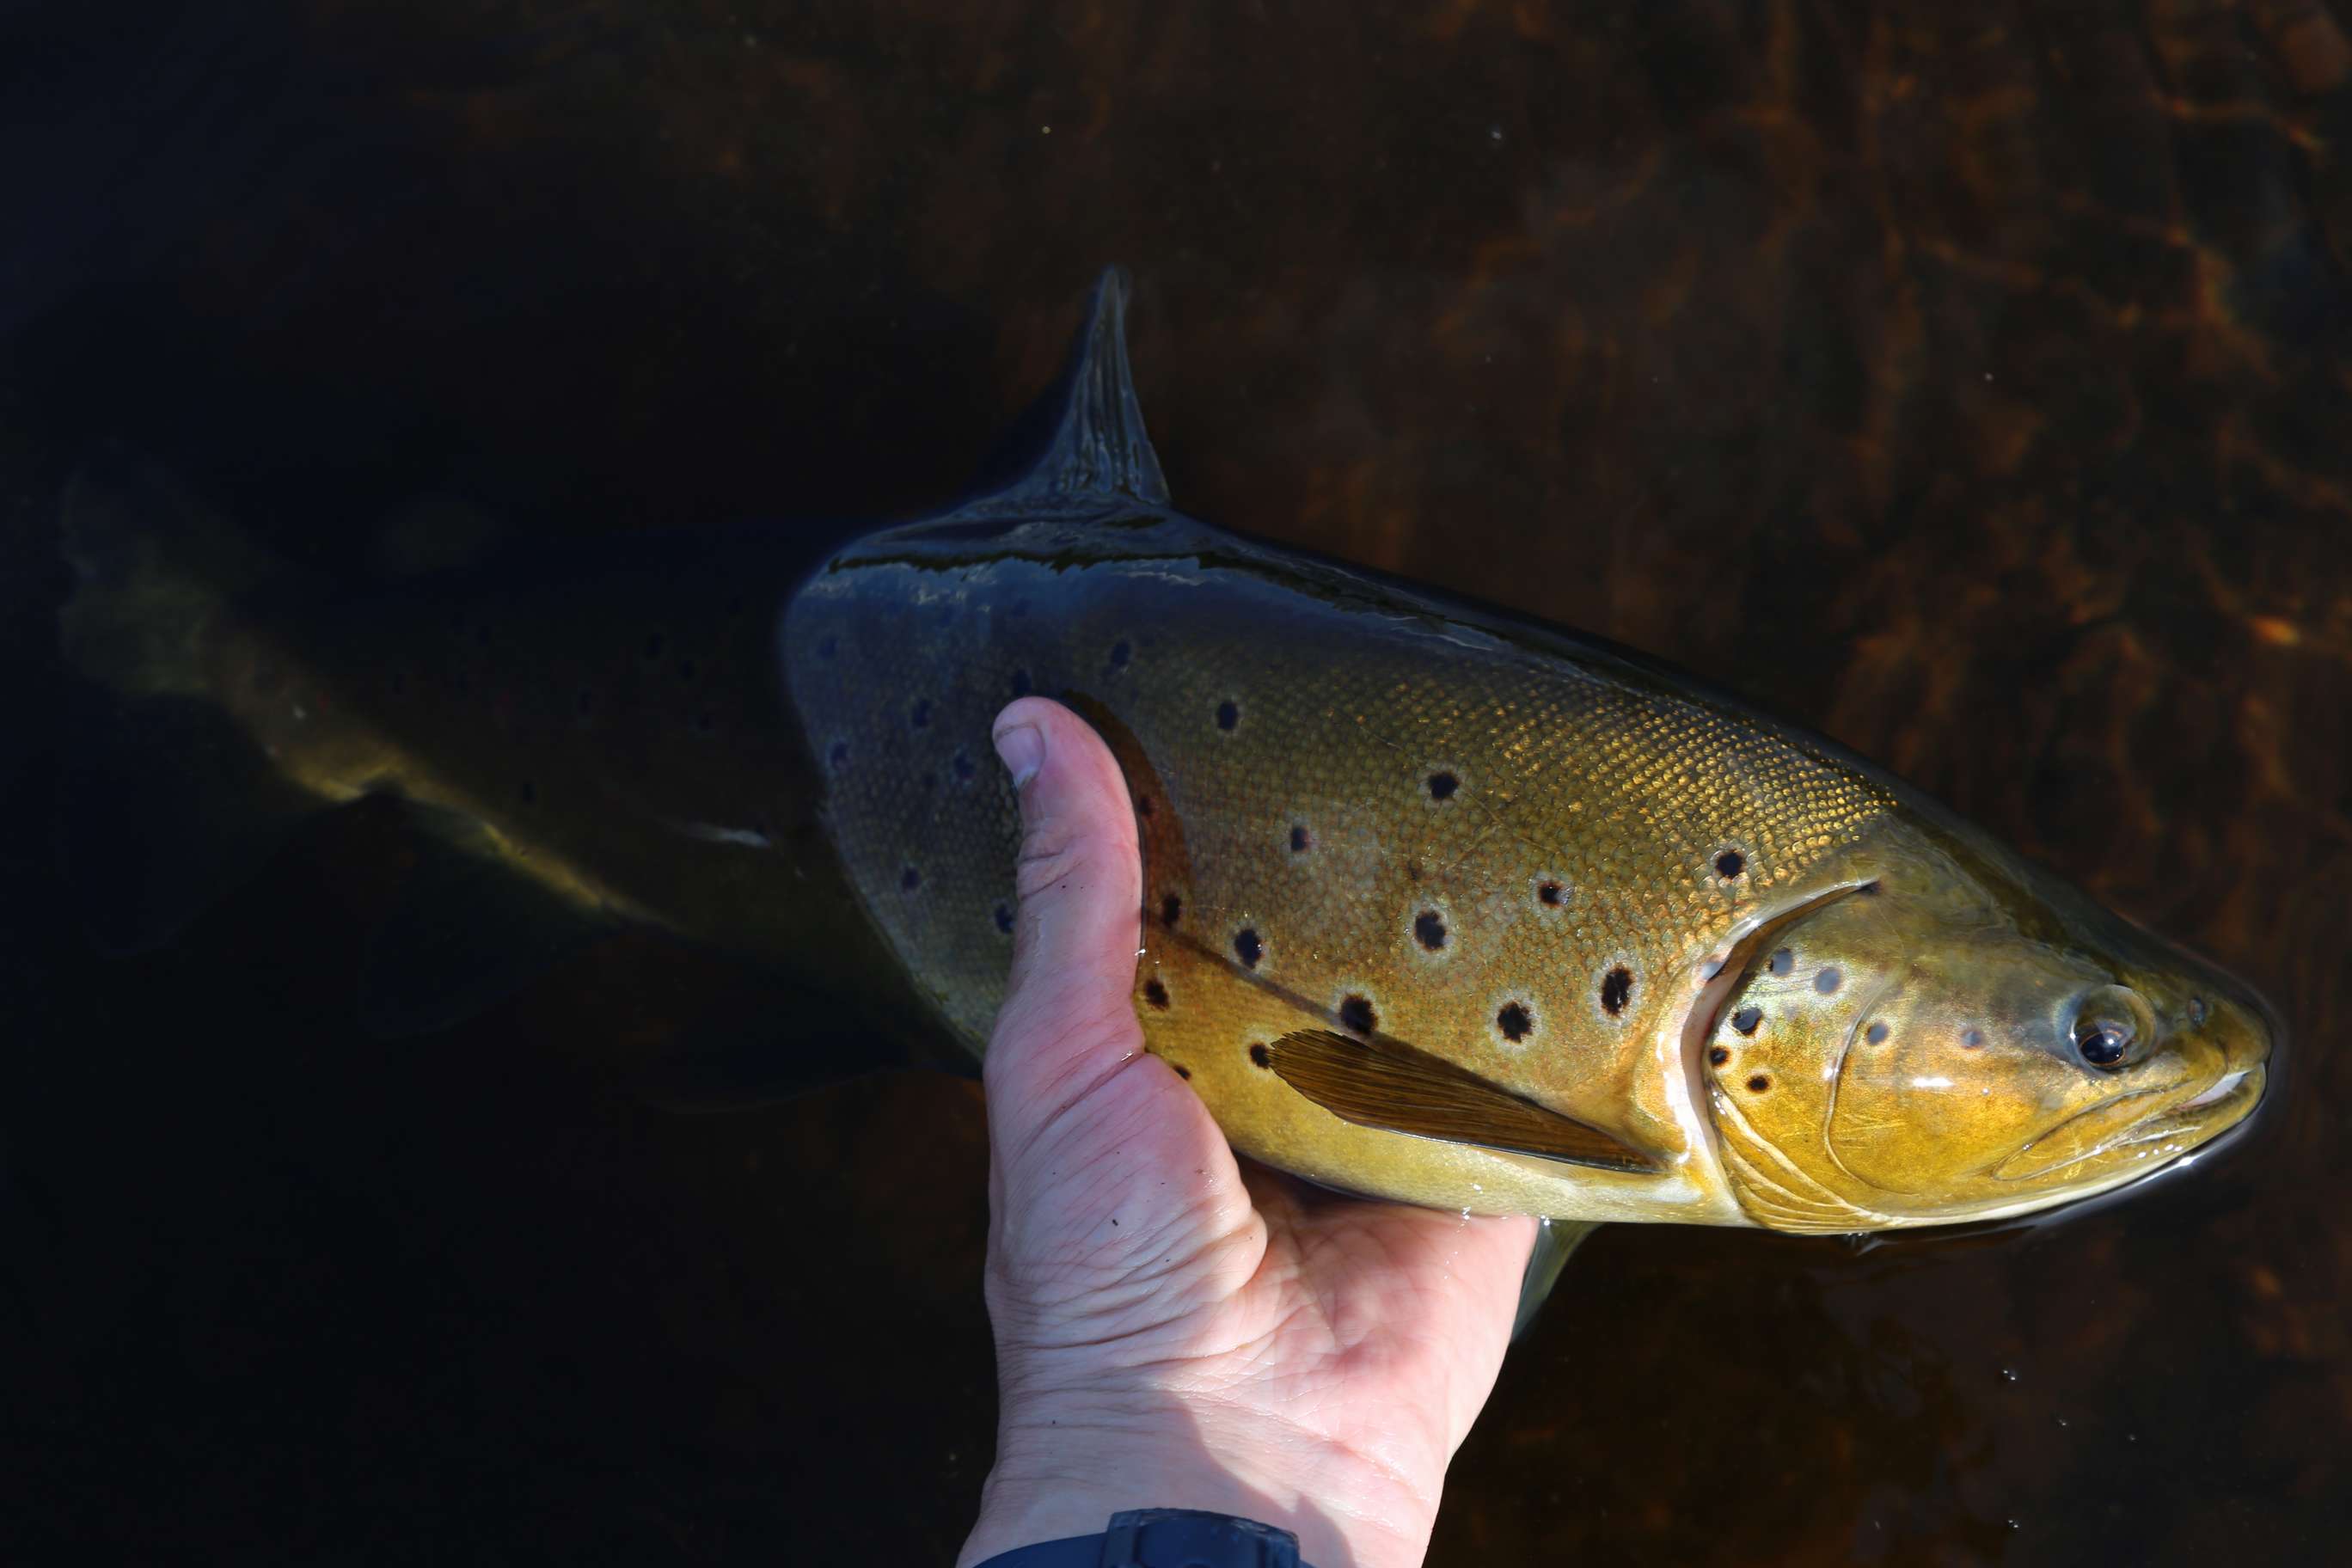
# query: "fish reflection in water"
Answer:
x=1443 y=906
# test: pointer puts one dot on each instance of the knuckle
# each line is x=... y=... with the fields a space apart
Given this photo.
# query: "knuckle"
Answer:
x=1050 y=854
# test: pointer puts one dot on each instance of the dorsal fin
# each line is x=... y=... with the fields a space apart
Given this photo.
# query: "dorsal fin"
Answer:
x=1098 y=451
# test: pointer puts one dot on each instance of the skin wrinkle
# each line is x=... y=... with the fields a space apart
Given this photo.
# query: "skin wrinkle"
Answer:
x=1127 y=1282
x=1197 y=1397
x=1094 y=1075
x=1252 y=1418
x=1076 y=1181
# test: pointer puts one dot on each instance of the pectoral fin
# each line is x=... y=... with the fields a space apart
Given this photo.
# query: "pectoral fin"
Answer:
x=1389 y=1085
x=1556 y=1242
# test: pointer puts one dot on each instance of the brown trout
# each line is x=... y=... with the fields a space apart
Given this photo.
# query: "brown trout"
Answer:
x=1442 y=905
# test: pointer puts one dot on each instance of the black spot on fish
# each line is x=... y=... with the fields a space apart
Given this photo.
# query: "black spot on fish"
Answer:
x=1155 y=993
x=1229 y=714
x=1261 y=1055
x=1829 y=979
x=1730 y=863
x=1297 y=838
x=1514 y=1021
x=827 y=647
x=1171 y=910
x=686 y=669
x=1719 y=1055
x=653 y=645
x=1759 y=1084
x=1875 y=1034
x=911 y=879
x=1971 y=1038
x=919 y=715
x=1746 y=1019
x=1248 y=948
x=1781 y=963
x=837 y=755
x=1550 y=893
x=529 y=793
x=1004 y=919
x=1441 y=785
x=962 y=765
x=1021 y=685
x=1356 y=1013
x=1119 y=654
x=1429 y=930
x=1615 y=988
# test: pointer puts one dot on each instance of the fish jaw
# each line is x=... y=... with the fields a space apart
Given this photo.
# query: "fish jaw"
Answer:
x=2160 y=1125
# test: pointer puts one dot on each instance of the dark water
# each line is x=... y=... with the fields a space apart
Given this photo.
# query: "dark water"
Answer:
x=1971 y=381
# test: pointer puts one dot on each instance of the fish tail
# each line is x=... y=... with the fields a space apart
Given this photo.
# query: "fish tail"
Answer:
x=154 y=575
x=165 y=803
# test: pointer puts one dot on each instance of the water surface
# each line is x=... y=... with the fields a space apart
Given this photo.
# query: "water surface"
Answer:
x=1970 y=381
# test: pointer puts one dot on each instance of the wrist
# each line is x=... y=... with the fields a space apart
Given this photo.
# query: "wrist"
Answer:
x=1065 y=1472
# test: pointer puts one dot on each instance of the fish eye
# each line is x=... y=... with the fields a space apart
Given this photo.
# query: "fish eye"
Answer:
x=2112 y=1028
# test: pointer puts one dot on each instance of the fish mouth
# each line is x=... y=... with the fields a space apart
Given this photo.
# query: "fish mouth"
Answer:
x=2157 y=1121
x=2221 y=1090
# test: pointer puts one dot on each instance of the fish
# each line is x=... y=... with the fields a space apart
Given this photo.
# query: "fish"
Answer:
x=1442 y=904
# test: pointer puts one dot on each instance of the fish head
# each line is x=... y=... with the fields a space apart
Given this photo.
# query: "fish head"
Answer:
x=1885 y=1057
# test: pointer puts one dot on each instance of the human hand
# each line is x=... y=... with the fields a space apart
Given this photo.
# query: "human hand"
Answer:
x=1172 y=1330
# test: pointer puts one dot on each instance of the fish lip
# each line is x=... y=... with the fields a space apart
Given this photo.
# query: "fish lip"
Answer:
x=2221 y=1087
x=2211 y=1111
x=2240 y=1089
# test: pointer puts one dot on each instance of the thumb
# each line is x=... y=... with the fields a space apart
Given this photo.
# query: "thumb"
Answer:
x=1068 y=1019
